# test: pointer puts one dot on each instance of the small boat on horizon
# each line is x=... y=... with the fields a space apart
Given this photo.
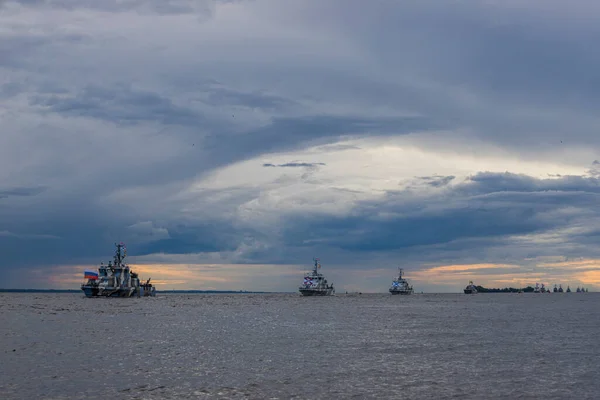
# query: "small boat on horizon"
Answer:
x=470 y=289
x=540 y=288
x=400 y=285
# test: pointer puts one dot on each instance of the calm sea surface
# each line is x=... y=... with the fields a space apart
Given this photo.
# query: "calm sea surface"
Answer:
x=485 y=346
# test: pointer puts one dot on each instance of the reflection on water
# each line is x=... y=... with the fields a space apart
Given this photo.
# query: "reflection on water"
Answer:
x=287 y=346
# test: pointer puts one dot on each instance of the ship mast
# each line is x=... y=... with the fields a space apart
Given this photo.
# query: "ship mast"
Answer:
x=122 y=275
x=118 y=256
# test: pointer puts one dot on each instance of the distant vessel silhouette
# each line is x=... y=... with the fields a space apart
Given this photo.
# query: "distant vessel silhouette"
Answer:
x=470 y=289
x=540 y=289
x=400 y=285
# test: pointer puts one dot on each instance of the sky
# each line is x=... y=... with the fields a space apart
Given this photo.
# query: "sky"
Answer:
x=229 y=142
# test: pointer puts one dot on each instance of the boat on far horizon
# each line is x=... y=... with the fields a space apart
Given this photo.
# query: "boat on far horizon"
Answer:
x=540 y=288
x=400 y=285
x=470 y=289
x=315 y=283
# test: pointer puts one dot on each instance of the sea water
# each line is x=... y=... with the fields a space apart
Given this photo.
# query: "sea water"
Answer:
x=284 y=346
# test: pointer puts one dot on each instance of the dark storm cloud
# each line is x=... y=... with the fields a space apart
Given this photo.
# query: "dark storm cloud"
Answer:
x=79 y=234
x=11 y=89
x=486 y=206
x=119 y=105
x=164 y=7
x=227 y=97
x=436 y=181
x=294 y=165
x=486 y=182
x=290 y=133
x=200 y=238
x=18 y=49
x=276 y=76
x=21 y=191
x=466 y=219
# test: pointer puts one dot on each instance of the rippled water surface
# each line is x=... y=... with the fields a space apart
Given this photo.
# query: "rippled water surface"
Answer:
x=57 y=346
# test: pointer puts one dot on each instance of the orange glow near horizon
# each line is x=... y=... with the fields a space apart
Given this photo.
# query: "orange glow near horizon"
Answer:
x=270 y=277
x=459 y=268
x=177 y=276
x=579 y=272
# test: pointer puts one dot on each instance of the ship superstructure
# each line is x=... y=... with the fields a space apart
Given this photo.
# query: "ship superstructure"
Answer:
x=540 y=289
x=470 y=289
x=315 y=284
x=116 y=279
x=400 y=285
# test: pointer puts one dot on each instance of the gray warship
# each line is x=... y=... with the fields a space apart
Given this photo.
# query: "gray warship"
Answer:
x=471 y=288
x=116 y=280
x=400 y=285
x=315 y=283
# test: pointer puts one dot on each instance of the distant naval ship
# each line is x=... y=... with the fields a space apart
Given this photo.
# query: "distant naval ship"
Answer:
x=539 y=289
x=315 y=283
x=116 y=280
x=400 y=285
x=470 y=289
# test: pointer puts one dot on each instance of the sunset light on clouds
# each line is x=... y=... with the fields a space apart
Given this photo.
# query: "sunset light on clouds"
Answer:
x=227 y=143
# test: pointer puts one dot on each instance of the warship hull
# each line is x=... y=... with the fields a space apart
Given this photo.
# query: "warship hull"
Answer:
x=470 y=291
x=316 y=292
x=404 y=292
x=91 y=291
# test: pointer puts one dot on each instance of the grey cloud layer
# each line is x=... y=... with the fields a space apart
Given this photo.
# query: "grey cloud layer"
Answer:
x=159 y=7
x=91 y=112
